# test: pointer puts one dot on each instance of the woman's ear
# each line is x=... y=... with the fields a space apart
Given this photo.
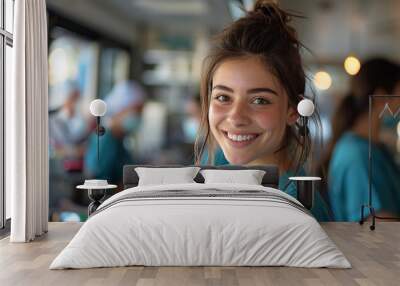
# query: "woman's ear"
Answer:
x=292 y=116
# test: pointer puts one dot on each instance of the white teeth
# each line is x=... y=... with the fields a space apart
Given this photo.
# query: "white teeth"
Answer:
x=235 y=137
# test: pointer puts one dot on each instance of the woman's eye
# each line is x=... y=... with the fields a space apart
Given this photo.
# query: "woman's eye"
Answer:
x=222 y=98
x=260 y=100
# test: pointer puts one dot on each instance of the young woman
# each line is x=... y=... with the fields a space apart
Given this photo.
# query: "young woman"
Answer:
x=347 y=155
x=251 y=84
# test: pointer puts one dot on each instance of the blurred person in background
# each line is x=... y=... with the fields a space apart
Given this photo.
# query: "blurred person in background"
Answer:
x=190 y=130
x=191 y=123
x=123 y=117
x=347 y=154
x=68 y=131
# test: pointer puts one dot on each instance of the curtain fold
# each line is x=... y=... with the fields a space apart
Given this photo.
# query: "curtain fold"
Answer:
x=26 y=123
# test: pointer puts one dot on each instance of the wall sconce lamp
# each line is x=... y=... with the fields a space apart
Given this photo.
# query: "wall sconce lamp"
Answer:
x=98 y=108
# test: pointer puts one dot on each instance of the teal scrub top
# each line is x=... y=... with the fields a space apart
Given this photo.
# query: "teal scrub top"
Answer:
x=219 y=158
x=113 y=157
x=320 y=209
x=348 y=179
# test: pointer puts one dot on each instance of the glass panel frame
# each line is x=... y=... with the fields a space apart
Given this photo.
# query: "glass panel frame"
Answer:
x=1 y=14
x=6 y=44
x=9 y=15
x=7 y=90
x=2 y=189
x=393 y=110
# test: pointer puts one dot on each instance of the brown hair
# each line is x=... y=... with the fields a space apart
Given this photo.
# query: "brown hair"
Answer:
x=375 y=73
x=263 y=32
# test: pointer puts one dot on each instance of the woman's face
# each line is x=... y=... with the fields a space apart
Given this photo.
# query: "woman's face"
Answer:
x=248 y=111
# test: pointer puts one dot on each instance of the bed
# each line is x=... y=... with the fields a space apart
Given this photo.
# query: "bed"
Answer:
x=201 y=223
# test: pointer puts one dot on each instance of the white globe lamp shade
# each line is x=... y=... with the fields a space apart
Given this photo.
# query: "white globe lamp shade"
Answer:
x=305 y=107
x=98 y=107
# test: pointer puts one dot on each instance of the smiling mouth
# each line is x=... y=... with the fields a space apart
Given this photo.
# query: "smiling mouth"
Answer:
x=240 y=139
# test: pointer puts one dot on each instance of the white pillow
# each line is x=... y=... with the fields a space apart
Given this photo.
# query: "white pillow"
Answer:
x=163 y=176
x=249 y=177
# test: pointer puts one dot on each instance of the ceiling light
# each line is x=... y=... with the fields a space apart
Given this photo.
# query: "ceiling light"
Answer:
x=322 y=80
x=173 y=7
x=352 y=65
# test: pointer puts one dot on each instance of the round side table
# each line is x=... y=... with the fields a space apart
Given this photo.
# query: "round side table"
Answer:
x=96 y=195
x=305 y=189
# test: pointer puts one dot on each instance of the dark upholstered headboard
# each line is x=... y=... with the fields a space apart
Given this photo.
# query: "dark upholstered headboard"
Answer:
x=270 y=179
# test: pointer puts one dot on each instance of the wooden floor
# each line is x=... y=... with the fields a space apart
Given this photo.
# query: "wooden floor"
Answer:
x=374 y=255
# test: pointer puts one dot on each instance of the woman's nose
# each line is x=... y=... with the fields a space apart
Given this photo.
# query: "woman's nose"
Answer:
x=239 y=115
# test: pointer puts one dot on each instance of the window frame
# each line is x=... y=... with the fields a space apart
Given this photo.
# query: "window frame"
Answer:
x=6 y=39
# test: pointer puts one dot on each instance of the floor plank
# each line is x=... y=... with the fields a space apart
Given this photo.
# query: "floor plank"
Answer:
x=374 y=255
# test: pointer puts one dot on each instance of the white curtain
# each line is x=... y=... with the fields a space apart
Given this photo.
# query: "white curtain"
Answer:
x=26 y=123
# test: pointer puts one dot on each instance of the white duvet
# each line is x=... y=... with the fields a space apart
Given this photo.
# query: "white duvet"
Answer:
x=183 y=231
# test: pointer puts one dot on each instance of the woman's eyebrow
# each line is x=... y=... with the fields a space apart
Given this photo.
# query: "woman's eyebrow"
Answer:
x=222 y=87
x=250 y=91
x=262 y=89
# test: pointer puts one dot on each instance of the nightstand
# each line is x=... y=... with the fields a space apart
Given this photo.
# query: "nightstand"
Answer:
x=305 y=189
x=96 y=192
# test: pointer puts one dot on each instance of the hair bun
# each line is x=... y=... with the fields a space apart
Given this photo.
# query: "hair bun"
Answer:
x=271 y=11
x=271 y=14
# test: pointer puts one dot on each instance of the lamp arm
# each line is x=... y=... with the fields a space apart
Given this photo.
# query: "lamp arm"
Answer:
x=98 y=139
